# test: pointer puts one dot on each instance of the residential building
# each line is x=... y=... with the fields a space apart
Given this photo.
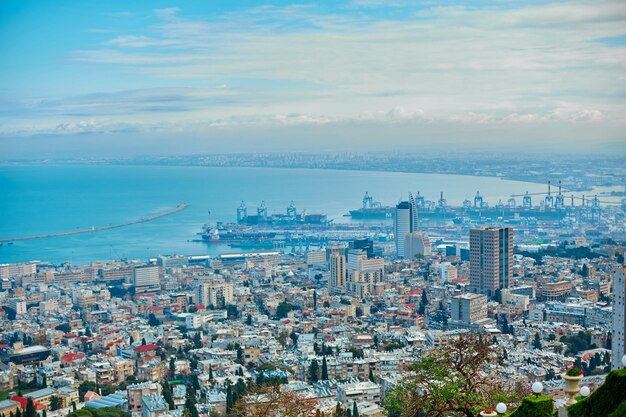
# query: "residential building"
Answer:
x=491 y=259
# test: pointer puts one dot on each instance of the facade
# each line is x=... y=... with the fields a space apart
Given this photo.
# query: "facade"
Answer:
x=416 y=244
x=17 y=270
x=405 y=222
x=146 y=279
x=619 y=311
x=337 y=281
x=216 y=294
x=491 y=259
x=316 y=257
x=448 y=271
x=468 y=308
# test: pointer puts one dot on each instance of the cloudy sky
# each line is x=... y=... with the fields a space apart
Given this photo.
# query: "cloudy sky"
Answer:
x=116 y=77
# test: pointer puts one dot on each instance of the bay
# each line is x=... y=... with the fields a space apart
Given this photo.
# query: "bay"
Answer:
x=56 y=198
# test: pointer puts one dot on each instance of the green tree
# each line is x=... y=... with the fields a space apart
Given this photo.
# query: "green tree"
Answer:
x=537 y=342
x=30 y=409
x=167 y=394
x=153 y=321
x=324 y=369
x=84 y=387
x=172 y=367
x=314 y=371
x=190 y=409
x=451 y=381
x=249 y=320
x=355 y=410
x=371 y=376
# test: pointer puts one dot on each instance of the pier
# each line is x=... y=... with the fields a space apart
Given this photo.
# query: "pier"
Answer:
x=99 y=228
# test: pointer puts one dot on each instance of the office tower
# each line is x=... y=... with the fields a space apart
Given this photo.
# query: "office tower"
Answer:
x=491 y=259
x=468 y=308
x=405 y=222
x=416 y=244
x=619 y=311
x=146 y=279
x=218 y=294
x=337 y=281
x=365 y=244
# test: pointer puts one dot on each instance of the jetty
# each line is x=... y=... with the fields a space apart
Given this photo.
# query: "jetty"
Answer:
x=178 y=208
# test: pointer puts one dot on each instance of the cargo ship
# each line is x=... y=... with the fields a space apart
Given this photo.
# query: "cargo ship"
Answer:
x=553 y=208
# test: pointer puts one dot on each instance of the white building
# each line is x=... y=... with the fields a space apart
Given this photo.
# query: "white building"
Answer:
x=337 y=281
x=619 y=311
x=468 y=308
x=358 y=391
x=448 y=271
x=316 y=257
x=19 y=306
x=215 y=294
x=146 y=279
x=416 y=244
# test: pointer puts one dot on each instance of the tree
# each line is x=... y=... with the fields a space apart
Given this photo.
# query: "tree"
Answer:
x=249 y=320
x=371 y=376
x=197 y=341
x=167 y=395
x=537 y=342
x=172 y=367
x=314 y=371
x=324 y=369
x=153 y=321
x=452 y=381
x=55 y=403
x=190 y=403
x=355 y=410
x=275 y=403
x=143 y=341
x=65 y=328
x=584 y=271
x=294 y=338
x=314 y=299
x=30 y=409
x=84 y=387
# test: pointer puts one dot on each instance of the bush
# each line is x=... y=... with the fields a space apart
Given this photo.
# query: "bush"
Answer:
x=606 y=400
x=535 y=406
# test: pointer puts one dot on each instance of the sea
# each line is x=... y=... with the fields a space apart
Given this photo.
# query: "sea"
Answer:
x=55 y=198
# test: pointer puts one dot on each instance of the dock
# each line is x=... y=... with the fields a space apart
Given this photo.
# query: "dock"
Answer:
x=178 y=208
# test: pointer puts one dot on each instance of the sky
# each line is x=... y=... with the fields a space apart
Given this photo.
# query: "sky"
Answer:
x=115 y=78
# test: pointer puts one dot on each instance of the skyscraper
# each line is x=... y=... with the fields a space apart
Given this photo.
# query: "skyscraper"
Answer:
x=491 y=259
x=619 y=311
x=337 y=281
x=405 y=222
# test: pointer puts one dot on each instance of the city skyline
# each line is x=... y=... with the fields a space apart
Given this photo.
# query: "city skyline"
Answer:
x=120 y=79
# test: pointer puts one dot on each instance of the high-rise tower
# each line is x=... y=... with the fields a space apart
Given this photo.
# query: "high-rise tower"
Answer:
x=405 y=222
x=337 y=280
x=491 y=259
x=619 y=311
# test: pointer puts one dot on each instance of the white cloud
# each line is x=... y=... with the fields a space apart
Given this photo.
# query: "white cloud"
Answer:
x=533 y=65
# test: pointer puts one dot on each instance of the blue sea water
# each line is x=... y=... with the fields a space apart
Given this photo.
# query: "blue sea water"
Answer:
x=48 y=199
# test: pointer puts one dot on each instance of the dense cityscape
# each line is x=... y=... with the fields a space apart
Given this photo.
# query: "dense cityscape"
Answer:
x=347 y=208
x=336 y=314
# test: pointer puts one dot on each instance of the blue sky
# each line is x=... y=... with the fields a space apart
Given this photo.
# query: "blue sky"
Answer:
x=113 y=77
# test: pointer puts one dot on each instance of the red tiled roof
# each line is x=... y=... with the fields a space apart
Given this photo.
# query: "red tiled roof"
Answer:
x=23 y=401
x=146 y=348
x=71 y=357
